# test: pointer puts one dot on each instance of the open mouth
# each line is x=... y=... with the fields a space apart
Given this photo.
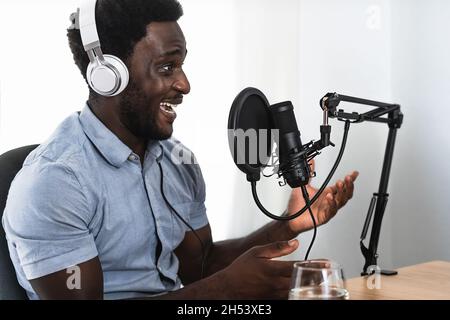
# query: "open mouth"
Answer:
x=168 y=108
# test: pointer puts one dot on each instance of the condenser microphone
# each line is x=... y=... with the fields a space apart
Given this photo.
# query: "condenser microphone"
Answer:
x=293 y=164
x=251 y=111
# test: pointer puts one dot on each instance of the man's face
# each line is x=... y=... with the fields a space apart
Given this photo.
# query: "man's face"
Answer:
x=157 y=82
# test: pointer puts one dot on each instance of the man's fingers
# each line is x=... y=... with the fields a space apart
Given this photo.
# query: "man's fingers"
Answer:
x=354 y=175
x=349 y=187
x=339 y=192
x=276 y=249
x=333 y=189
x=332 y=204
x=349 y=183
x=345 y=189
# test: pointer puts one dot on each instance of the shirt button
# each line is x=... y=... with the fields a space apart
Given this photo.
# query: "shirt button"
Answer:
x=132 y=157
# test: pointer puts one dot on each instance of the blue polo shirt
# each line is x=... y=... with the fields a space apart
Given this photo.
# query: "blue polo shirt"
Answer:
x=84 y=193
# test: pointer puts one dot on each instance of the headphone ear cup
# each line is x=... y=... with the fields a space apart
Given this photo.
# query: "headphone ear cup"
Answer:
x=121 y=69
x=109 y=78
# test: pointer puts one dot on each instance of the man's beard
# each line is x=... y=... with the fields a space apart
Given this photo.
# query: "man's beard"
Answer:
x=136 y=116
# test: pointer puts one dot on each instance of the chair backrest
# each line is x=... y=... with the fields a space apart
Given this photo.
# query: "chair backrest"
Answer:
x=10 y=163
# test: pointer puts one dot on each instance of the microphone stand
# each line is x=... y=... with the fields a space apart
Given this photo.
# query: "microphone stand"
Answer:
x=379 y=200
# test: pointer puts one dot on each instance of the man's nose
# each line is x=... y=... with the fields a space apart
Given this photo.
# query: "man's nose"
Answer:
x=182 y=83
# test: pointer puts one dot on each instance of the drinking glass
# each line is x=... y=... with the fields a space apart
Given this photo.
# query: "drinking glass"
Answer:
x=319 y=279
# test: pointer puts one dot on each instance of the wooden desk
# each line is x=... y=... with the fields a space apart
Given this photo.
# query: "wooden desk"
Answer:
x=427 y=281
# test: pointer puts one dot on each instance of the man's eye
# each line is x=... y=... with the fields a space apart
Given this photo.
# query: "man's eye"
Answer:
x=167 y=68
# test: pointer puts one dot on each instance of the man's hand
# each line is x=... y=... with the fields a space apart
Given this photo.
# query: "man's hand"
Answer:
x=326 y=206
x=254 y=275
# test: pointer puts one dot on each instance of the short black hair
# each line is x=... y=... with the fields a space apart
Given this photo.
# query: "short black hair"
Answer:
x=120 y=25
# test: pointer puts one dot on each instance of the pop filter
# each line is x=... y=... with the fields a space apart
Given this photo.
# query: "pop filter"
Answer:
x=249 y=132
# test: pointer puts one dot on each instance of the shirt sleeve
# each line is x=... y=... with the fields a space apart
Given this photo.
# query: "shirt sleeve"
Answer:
x=198 y=217
x=46 y=220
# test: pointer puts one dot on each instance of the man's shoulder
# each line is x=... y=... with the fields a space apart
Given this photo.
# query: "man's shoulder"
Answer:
x=184 y=168
x=171 y=143
x=178 y=153
x=64 y=147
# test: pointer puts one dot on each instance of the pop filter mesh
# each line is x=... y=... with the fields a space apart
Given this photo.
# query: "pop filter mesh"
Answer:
x=250 y=112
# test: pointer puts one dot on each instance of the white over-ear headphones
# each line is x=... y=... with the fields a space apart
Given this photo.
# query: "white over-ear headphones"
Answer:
x=106 y=74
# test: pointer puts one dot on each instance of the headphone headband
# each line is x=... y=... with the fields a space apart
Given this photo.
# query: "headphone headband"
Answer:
x=86 y=22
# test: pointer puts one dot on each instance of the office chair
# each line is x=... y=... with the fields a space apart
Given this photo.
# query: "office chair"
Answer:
x=10 y=163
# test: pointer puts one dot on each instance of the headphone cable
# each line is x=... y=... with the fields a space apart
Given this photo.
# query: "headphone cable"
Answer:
x=308 y=205
x=184 y=221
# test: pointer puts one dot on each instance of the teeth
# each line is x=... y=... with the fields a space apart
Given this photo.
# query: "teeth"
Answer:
x=168 y=107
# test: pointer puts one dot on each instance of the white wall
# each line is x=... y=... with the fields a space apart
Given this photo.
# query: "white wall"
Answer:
x=39 y=83
x=291 y=50
x=345 y=48
x=421 y=176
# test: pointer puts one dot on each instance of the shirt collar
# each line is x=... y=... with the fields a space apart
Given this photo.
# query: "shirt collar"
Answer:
x=106 y=142
x=155 y=149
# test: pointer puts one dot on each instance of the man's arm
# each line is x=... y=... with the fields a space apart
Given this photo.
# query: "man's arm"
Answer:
x=253 y=275
x=47 y=220
x=85 y=282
